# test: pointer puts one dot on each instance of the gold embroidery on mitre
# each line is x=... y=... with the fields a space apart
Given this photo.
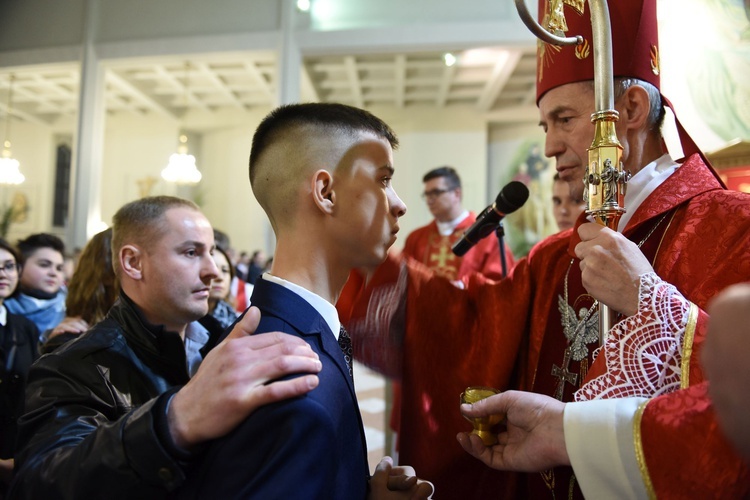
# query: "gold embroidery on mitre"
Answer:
x=554 y=20
x=583 y=50
x=655 y=60
x=546 y=52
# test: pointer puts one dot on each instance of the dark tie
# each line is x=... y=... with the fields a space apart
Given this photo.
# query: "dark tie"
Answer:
x=345 y=342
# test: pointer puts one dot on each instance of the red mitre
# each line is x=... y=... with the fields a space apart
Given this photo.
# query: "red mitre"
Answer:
x=635 y=50
x=635 y=42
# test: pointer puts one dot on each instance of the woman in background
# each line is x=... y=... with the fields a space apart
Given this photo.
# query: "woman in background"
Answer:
x=219 y=298
x=18 y=349
x=92 y=290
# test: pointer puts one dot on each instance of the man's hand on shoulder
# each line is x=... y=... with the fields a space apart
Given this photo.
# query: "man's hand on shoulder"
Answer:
x=232 y=381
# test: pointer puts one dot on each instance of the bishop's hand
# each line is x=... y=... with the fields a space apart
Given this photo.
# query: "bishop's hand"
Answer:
x=611 y=266
x=534 y=440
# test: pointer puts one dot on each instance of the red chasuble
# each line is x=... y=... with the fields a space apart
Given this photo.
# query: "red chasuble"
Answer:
x=682 y=451
x=439 y=339
x=432 y=249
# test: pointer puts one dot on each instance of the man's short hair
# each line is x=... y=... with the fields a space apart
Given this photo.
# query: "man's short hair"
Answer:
x=34 y=242
x=142 y=221
x=656 y=111
x=335 y=117
x=450 y=174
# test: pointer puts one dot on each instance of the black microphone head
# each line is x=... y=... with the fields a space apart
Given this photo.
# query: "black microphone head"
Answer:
x=511 y=197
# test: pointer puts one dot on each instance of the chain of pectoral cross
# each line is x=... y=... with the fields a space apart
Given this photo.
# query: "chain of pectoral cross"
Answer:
x=562 y=373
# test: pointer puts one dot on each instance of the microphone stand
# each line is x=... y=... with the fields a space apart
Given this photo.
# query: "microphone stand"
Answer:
x=500 y=232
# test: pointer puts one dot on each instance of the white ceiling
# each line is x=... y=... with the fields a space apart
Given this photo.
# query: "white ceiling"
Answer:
x=488 y=80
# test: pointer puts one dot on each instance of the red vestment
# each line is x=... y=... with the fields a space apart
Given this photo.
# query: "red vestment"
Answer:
x=685 y=453
x=440 y=339
x=428 y=246
x=432 y=249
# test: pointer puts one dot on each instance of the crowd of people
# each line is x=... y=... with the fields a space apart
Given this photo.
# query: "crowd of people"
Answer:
x=147 y=373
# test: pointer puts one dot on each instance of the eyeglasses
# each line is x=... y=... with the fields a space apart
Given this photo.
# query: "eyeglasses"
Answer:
x=431 y=195
x=9 y=267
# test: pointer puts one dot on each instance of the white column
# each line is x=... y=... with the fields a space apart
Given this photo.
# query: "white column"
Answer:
x=85 y=200
x=290 y=56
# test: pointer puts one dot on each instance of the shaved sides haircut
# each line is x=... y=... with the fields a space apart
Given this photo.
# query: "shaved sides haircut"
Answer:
x=296 y=139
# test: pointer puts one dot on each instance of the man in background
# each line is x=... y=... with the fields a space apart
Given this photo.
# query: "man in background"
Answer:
x=431 y=244
x=566 y=206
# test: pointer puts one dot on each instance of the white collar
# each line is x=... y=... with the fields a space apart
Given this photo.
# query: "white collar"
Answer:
x=324 y=308
x=643 y=183
x=447 y=228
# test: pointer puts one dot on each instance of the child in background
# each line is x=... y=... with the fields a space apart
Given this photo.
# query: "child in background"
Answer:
x=41 y=296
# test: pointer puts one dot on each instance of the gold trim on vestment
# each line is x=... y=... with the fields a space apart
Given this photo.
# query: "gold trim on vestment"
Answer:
x=687 y=346
x=639 y=454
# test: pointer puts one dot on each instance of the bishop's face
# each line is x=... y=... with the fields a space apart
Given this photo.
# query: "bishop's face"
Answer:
x=565 y=115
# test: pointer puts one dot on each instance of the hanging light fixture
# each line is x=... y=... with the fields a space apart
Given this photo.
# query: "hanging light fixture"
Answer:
x=181 y=168
x=9 y=172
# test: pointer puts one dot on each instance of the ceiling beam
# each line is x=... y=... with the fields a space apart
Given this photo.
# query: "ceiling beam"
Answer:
x=399 y=72
x=504 y=67
x=445 y=85
x=257 y=76
x=218 y=83
x=28 y=117
x=351 y=72
x=114 y=79
x=307 y=87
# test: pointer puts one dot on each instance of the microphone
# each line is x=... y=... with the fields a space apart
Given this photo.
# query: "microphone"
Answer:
x=511 y=198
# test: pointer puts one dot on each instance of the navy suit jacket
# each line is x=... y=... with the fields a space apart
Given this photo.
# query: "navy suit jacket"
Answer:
x=309 y=447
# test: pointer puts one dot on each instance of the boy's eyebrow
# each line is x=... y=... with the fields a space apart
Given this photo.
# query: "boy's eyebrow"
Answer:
x=389 y=169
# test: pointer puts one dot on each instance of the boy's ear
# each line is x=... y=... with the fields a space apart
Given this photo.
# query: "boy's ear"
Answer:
x=322 y=191
x=131 y=262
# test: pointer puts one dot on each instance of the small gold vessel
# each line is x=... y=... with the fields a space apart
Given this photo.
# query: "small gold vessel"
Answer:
x=482 y=426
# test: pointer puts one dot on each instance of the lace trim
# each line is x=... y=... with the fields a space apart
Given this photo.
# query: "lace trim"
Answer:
x=643 y=353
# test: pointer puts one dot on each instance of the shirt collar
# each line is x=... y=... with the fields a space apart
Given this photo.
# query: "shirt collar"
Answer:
x=324 y=308
x=643 y=183
x=447 y=228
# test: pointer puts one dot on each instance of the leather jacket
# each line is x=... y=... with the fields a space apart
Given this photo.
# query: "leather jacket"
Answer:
x=18 y=350
x=95 y=424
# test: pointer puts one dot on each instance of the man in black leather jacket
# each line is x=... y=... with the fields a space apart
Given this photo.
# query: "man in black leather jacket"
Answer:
x=116 y=413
